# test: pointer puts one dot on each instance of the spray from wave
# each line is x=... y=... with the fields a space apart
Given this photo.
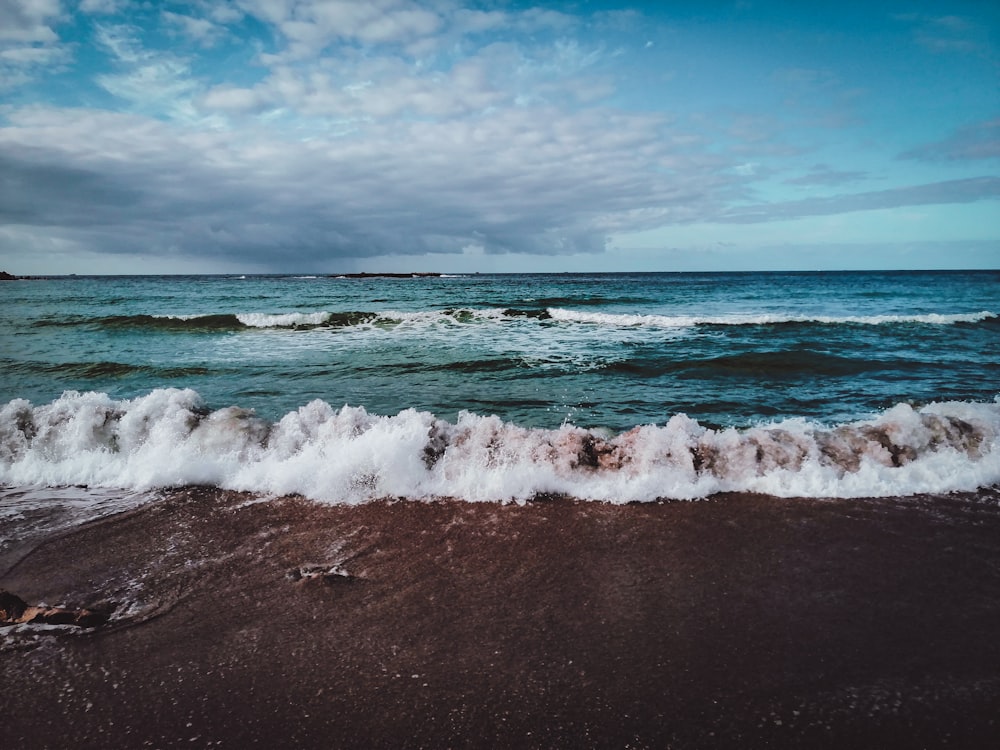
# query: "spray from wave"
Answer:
x=169 y=438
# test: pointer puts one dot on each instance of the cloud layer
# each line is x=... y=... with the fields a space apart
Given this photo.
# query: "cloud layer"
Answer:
x=295 y=134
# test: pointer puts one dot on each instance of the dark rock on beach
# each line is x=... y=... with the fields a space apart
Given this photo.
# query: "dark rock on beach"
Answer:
x=15 y=611
x=12 y=607
x=736 y=622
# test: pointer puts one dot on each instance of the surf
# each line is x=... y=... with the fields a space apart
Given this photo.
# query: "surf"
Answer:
x=171 y=438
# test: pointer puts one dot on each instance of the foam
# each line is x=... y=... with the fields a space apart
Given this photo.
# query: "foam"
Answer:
x=449 y=317
x=283 y=320
x=683 y=321
x=324 y=317
x=169 y=438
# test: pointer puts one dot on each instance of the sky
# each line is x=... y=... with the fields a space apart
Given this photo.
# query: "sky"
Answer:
x=330 y=136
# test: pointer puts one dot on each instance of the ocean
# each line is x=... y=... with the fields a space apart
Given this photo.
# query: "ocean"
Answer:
x=614 y=387
x=213 y=530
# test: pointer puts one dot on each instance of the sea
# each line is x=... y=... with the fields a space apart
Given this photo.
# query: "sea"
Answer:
x=615 y=387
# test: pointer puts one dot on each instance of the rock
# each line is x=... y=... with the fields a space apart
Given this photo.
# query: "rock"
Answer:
x=87 y=618
x=14 y=611
x=12 y=607
x=366 y=275
x=4 y=276
x=81 y=618
x=53 y=616
x=324 y=573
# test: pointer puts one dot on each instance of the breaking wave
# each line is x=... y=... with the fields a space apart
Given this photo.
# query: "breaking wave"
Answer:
x=295 y=320
x=169 y=438
x=345 y=319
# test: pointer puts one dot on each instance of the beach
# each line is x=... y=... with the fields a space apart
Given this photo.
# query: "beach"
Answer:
x=737 y=621
x=437 y=374
x=501 y=511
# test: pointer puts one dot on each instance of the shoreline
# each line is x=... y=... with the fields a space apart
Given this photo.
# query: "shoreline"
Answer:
x=735 y=621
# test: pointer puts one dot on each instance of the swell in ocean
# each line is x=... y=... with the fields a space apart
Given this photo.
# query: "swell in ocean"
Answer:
x=350 y=318
x=169 y=438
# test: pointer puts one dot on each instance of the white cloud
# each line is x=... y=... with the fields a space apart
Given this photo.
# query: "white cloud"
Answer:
x=152 y=81
x=32 y=55
x=368 y=86
x=316 y=129
x=29 y=44
x=201 y=30
x=533 y=181
x=947 y=34
x=102 y=6
x=967 y=190
x=979 y=140
x=310 y=26
x=466 y=21
x=375 y=89
x=28 y=20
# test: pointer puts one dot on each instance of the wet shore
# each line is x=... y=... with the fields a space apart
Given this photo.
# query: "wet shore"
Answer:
x=739 y=621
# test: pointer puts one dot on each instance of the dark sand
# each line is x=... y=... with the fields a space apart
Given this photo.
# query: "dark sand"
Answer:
x=739 y=621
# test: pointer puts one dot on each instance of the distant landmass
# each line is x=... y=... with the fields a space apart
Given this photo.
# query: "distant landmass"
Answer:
x=384 y=275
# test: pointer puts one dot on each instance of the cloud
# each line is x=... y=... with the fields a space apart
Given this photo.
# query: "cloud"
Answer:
x=29 y=44
x=473 y=21
x=28 y=21
x=311 y=26
x=202 y=30
x=102 y=6
x=387 y=86
x=980 y=140
x=522 y=181
x=291 y=133
x=822 y=174
x=949 y=191
x=947 y=34
x=152 y=81
x=533 y=181
x=379 y=88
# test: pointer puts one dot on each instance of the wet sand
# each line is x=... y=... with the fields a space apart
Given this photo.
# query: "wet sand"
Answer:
x=741 y=621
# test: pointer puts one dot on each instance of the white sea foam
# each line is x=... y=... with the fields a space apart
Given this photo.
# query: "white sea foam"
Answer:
x=682 y=321
x=283 y=320
x=445 y=316
x=38 y=511
x=168 y=438
x=430 y=318
x=322 y=317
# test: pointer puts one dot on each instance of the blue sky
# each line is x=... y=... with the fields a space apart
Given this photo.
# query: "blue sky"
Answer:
x=335 y=135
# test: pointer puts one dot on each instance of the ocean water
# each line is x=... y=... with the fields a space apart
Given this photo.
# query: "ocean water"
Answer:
x=617 y=387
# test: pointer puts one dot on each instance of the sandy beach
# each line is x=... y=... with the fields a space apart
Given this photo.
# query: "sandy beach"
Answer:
x=740 y=621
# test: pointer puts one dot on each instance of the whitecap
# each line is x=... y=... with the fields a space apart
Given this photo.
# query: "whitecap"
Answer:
x=347 y=455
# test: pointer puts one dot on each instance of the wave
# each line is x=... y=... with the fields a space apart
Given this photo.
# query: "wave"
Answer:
x=749 y=319
x=169 y=438
x=450 y=316
x=104 y=369
x=294 y=320
x=585 y=301
x=777 y=364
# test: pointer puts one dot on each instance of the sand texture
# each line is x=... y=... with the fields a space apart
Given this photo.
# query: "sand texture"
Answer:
x=737 y=622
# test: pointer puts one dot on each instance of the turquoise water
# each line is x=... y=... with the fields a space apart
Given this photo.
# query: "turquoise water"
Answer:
x=606 y=350
x=495 y=387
